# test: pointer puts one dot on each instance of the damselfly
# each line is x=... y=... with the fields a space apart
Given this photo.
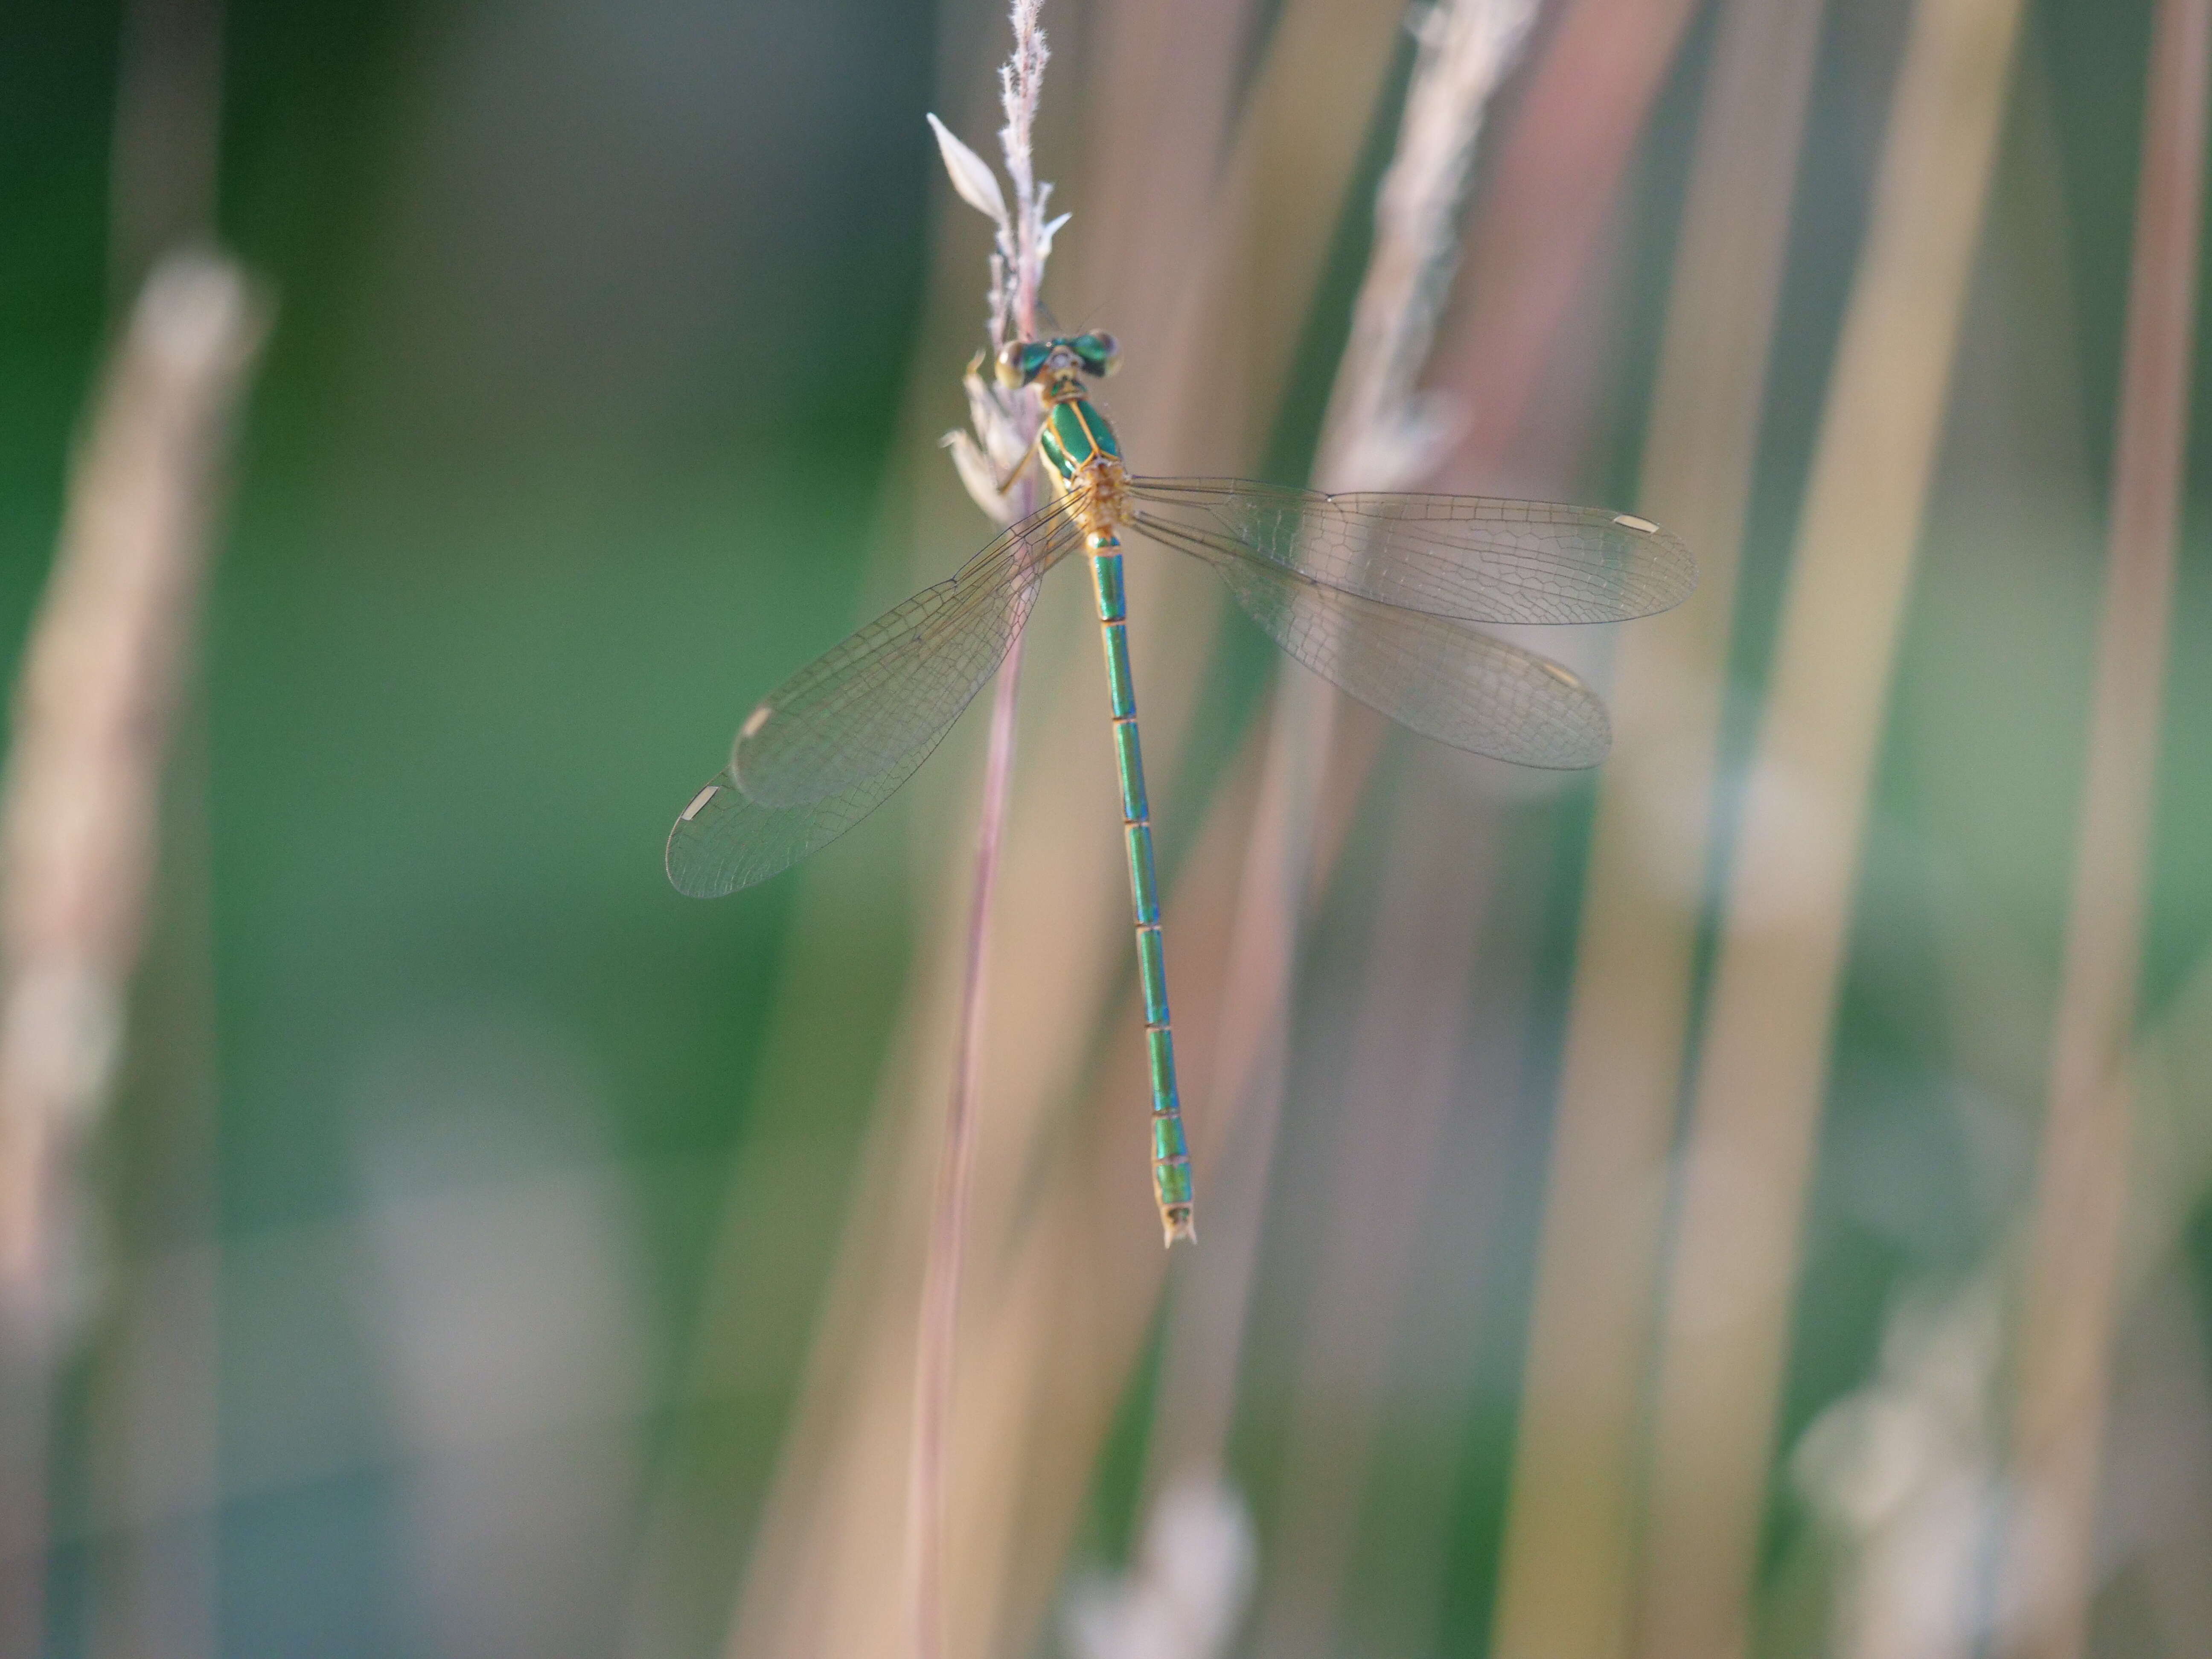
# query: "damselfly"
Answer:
x=1376 y=594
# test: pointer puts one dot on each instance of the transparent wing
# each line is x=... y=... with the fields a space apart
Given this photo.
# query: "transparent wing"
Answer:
x=1469 y=556
x=1435 y=674
x=893 y=687
x=725 y=840
x=834 y=741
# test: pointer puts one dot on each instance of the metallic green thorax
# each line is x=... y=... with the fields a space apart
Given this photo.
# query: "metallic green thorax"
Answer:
x=1170 y=1155
x=1075 y=432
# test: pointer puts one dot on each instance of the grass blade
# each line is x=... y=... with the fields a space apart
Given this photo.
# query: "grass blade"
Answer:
x=2075 y=1242
x=1763 y=1066
x=1567 y=1578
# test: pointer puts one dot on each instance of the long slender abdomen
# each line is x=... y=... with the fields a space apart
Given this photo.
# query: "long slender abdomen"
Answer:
x=1170 y=1155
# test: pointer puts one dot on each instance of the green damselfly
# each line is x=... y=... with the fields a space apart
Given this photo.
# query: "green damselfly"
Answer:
x=1377 y=593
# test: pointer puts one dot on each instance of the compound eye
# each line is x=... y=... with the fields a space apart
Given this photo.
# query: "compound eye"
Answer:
x=1101 y=353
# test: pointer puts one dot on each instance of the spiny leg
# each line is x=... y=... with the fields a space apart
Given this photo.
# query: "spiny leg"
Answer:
x=1170 y=1155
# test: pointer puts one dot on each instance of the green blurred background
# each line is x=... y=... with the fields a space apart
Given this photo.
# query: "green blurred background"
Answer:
x=599 y=329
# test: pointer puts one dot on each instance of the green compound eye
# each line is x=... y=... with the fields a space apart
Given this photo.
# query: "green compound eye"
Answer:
x=1100 y=354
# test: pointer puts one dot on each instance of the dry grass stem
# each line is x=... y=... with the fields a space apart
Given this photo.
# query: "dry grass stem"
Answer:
x=940 y=1285
x=2075 y=1242
x=1005 y=423
x=78 y=822
x=1566 y=1579
x=1763 y=1066
x=105 y=667
x=1378 y=433
x=1308 y=1575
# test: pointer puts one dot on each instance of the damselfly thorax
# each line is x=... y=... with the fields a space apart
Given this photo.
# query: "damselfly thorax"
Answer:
x=1076 y=440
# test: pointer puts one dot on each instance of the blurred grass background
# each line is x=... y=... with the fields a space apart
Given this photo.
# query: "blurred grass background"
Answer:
x=611 y=342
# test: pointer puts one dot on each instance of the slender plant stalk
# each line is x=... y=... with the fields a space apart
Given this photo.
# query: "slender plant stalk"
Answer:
x=92 y=713
x=2074 y=1248
x=1567 y=1578
x=1384 y=428
x=940 y=1294
x=100 y=682
x=1379 y=433
x=1764 y=1060
x=1005 y=426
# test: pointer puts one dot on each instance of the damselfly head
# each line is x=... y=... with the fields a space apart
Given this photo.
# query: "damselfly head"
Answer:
x=1059 y=364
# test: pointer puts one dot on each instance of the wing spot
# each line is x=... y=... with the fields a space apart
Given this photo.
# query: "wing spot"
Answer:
x=698 y=801
x=1562 y=675
x=1644 y=524
x=754 y=721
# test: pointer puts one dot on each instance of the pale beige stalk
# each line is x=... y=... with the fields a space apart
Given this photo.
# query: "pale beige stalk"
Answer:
x=1769 y=1028
x=79 y=818
x=2075 y=1241
x=1378 y=434
x=1902 y=1476
x=941 y=1271
x=1006 y=425
x=1566 y=1581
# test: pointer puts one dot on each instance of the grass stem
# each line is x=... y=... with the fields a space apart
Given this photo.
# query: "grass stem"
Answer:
x=2075 y=1241
x=941 y=1288
x=1567 y=1575
x=1018 y=275
x=102 y=678
x=1768 y=1029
